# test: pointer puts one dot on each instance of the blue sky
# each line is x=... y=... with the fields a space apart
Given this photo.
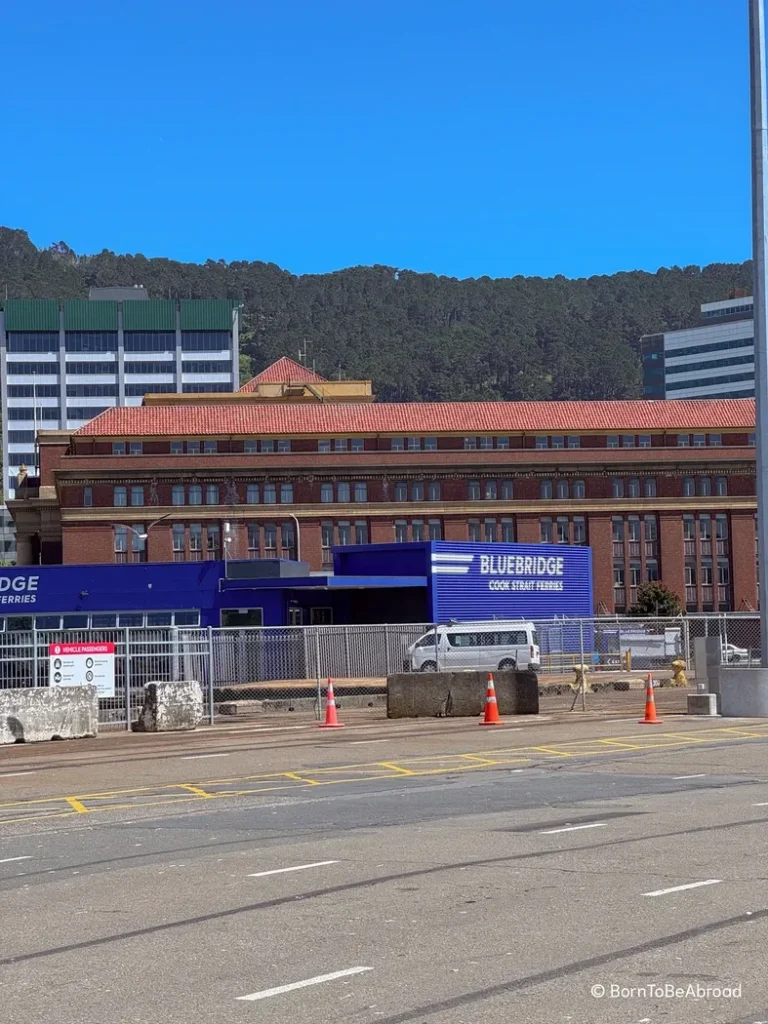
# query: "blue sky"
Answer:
x=492 y=137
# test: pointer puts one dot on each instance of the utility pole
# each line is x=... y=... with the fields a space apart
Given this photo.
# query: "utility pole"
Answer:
x=760 y=292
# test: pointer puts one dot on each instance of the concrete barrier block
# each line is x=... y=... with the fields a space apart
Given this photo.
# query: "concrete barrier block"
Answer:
x=702 y=704
x=743 y=692
x=171 y=707
x=48 y=713
x=459 y=694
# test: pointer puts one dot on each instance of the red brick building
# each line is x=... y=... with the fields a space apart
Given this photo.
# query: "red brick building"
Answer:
x=293 y=464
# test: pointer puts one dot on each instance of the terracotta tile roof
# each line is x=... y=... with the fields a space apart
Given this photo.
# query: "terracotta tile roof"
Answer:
x=425 y=418
x=284 y=371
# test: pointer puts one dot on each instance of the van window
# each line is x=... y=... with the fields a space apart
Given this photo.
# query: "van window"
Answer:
x=472 y=639
x=426 y=641
x=517 y=636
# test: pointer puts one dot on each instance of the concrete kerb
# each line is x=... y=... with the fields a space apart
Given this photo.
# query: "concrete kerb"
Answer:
x=48 y=712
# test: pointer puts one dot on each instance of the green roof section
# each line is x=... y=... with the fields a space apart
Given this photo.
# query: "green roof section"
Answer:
x=85 y=315
x=151 y=315
x=31 y=314
x=207 y=314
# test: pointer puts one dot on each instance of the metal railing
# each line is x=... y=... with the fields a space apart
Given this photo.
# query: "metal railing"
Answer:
x=287 y=667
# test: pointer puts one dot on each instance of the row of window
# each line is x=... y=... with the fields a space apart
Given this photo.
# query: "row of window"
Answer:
x=710 y=364
x=270 y=446
x=725 y=378
x=106 y=341
x=99 y=620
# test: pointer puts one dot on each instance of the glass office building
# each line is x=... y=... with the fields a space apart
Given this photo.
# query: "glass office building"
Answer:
x=714 y=360
x=64 y=362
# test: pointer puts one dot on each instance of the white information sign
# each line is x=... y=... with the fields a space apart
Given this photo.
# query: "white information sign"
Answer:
x=83 y=665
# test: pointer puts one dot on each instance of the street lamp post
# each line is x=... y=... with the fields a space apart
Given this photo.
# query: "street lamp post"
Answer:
x=760 y=295
x=145 y=534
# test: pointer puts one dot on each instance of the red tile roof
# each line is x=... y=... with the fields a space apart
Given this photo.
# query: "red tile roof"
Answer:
x=425 y=418
x=284 y=371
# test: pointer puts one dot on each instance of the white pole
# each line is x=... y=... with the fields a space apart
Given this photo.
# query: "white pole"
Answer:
x=760 y=294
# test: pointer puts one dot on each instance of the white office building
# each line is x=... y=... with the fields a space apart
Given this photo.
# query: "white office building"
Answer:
x=714 y=360
x=64 y=362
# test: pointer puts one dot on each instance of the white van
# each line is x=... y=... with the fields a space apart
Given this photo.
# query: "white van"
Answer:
x=490 y=646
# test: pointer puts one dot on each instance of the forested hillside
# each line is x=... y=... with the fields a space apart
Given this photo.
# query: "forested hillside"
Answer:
x=418 y=336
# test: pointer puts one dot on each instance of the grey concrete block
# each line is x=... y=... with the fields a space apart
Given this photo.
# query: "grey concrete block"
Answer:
x=459 y=694
x=47 y=713
x=744 y=692
x=702 y=704
x=171 y=707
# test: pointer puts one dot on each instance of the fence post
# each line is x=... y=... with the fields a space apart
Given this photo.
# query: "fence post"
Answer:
x=583 y=670
x=437 y=649
x=35 y=654
x=127 y=642
x=687 y=644
x=387 y=662
x=319 y=705
x=211 y=711
x=346 y=652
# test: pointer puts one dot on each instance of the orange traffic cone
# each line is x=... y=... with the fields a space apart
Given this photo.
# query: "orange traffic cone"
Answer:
x=491 y=706
x=650 y=705
x=331 y=718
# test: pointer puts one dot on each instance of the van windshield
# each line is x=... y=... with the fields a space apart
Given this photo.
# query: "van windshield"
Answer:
x=535 y=638
x=428 y=640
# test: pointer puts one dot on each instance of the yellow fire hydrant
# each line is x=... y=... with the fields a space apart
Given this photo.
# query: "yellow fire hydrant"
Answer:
x=679 y=677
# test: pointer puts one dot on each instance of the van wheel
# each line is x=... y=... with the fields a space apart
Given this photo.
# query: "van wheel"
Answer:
x=507 y=665
x=429 y=666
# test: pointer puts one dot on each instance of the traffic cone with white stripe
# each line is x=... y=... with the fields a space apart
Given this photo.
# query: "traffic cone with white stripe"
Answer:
x=650 y=705
x=331 y=718
x=491 y=705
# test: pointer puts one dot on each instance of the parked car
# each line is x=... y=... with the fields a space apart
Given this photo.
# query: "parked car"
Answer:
x=476 y=645
x=730 y=653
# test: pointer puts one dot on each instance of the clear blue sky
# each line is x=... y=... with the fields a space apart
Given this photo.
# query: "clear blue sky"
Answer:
x=463 y=137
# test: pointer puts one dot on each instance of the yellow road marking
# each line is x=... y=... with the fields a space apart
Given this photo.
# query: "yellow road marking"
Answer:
x=75 y=804
x=397 y=768
x=298 y=778
x=197 y=791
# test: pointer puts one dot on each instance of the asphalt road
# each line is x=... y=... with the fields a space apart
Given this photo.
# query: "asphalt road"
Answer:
x=624 y=887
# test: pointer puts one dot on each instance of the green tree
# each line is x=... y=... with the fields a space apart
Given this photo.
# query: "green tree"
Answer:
x=655 y=600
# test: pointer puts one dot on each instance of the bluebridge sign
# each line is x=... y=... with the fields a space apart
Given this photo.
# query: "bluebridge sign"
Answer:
x=541 y=581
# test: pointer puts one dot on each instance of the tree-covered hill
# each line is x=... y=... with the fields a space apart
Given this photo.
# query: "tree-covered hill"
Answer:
x=418 y=336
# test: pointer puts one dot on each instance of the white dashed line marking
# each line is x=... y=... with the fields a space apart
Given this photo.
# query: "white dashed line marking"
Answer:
x=680 y=888
x=298 y=867
x=319 y=980
x=572 y=828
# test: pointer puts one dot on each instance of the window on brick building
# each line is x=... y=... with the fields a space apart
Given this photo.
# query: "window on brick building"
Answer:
x=417 y=529
x=721 y=486
x=507 y=491
x=118 y=447
x=193 y=447
x=212 y=542
x=644 y=441
x=195 y=542
x=489 y=531
x=286 y=493
x=178 y=538
x=177 y=494
x=689 y=487
x=137 y=496
x=288 y=541
x=689 y=528
x=87 y=497
x=253 y=540
x=357 y=444
x=324 y=445
x=612 y=441
x=562 y=489
x=490 y=490
x=617 y=487
x=715 y=440
x=283 y=445
x=270 y=494
x=562 y=530
x=751 y=440
x=704 y=486
x=578 y=489
x=195 y=494
x=435 y=529
x=433 y=490
x=120 y=497
x=211 y=494
x=574 y=441
x=326 y=493
x=628 y=440
x=252 y=494
x=579 y=530
x=502 y=443
x=430 y=444
x=414 y=444
x=557 y=441
x=270 y=541
x=545 y=530
x=470 y=443
x=473 y=490
x=326 y=542
x=361 y=491
x=250 y=446
x=397 y=444
x=683 y=440
x=210 y=447
x=473 y=530
x=343 y=491
x=651 y=570
x=508 y=531
x=361 y=531
x=649 y=487
x=417 y=491
x=177 y=447
x=121 y=543
x=545 y=489
x=267 y=446
x=340 y=444
x=401 y=491
x=401 y=531
x=633 y=487
x=699 y=440
x=486 y=443
x=542 y=442
x=138 y=543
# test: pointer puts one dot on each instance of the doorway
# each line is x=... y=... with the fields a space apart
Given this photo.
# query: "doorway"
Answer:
x=241 y=618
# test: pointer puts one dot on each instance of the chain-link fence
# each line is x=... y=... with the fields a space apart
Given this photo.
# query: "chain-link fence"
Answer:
x=258 y=670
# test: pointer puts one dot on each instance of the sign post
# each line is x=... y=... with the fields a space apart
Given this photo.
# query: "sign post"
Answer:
x=83 y=665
